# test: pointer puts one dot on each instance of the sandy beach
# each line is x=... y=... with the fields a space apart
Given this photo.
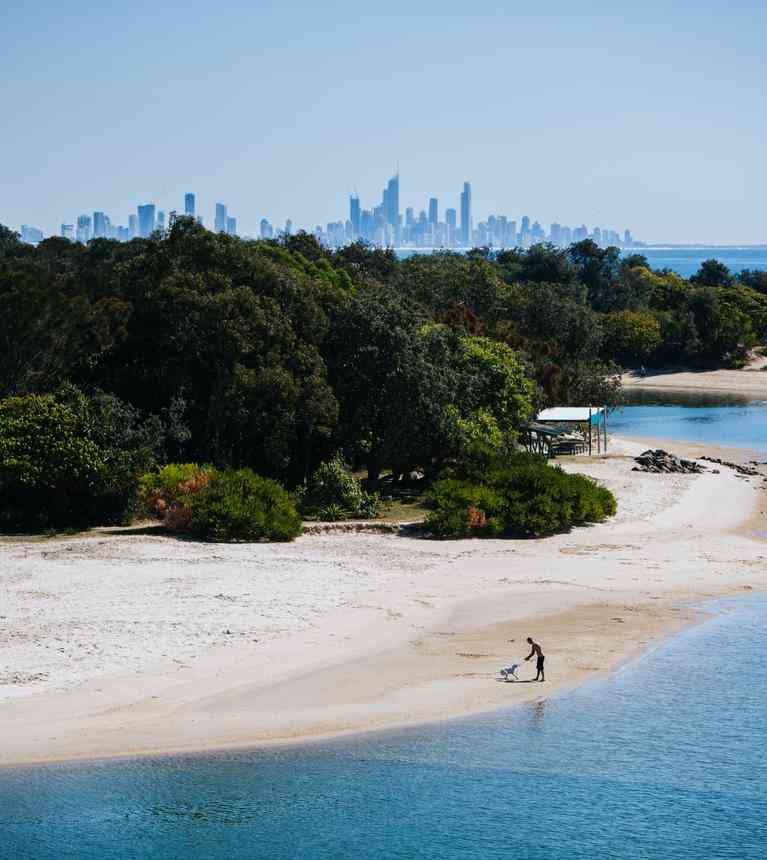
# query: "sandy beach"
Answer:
x=750 y=382
x=119 y=643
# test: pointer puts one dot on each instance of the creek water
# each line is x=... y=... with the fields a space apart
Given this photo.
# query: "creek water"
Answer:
x=716 y=419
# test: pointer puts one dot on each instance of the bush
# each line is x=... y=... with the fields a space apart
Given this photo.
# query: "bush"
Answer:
x=165 y=492
x=524 y=497
x=235 y=505
x=69 y=460
x=238 y=505
x=334 y=494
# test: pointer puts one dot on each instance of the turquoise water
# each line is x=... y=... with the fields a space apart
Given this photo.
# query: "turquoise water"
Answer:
x=665 y=759
x=704 y=418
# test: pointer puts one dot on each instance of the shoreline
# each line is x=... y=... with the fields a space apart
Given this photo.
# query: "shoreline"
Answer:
x=690 y=616
x=748 y=383
x=400 y=653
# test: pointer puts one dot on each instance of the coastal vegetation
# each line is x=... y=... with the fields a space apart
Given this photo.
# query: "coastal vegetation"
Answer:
x=518 y=495
x=219 y=504
x=290 y=360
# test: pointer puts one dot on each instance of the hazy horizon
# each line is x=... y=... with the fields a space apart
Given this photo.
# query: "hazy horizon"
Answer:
x=603 y=117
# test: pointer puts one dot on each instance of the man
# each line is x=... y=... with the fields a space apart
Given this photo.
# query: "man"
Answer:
x=535 y=649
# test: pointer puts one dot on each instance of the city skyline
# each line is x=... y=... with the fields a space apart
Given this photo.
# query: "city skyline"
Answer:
x=381 y=225
x=592 y=115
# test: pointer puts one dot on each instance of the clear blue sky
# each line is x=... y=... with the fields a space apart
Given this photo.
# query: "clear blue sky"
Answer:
x=648 y=116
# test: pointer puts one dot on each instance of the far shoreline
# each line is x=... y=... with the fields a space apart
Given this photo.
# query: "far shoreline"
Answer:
x=750 y=382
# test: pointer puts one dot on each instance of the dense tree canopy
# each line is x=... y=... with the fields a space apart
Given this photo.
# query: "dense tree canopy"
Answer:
x=277 y=355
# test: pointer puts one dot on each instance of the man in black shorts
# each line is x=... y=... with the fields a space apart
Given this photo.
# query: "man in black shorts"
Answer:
x=535 y=649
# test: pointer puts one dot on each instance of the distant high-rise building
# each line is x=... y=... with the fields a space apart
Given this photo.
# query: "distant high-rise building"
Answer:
x=267 y=231
x=133 y=226
x=288 y=227
x=146 y=220
x=231 y=226
x=189 y=204
x=391 y=202
x=100 y=222
x=161 y=221
x=68 y=232
x=451 y=218
x=628 y=241
x=433 y=212
x=31 y=235
x=354 y=215
x=220 y=221
x=466 y=215
x=83 y=228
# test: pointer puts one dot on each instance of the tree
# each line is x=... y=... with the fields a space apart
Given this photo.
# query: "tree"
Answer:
x=755 y=279
x=70 y=460
x=631 y=336
x=598 y=269
x=712 y=273
x=393 y=384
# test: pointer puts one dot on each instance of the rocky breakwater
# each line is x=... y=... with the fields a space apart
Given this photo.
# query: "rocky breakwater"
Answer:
x=662 y=461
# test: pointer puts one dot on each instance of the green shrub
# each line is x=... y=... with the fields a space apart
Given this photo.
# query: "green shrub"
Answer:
x=331 y=514
x=456 y=506
x=68 y=460
x=524 y=497
x=334 y=493
x=164 y=491
x=238 y=505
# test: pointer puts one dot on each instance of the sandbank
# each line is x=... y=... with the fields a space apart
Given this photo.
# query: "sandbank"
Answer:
x=749 y=383
x=129 y=643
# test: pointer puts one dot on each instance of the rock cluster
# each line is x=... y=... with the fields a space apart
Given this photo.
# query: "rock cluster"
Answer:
x=662 y=461
x=741 y=470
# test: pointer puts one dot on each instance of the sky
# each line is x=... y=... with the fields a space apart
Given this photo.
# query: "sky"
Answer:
x=647 y=116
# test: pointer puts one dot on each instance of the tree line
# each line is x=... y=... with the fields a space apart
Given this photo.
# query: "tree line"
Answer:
x=279 y=355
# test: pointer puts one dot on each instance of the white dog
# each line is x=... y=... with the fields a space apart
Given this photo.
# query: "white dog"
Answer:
x=510 y=672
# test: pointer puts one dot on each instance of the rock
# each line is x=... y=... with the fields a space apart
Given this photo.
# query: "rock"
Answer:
x=662 y=461
x=741 y=470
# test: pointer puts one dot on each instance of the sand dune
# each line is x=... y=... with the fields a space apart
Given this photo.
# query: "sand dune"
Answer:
x=120 y=644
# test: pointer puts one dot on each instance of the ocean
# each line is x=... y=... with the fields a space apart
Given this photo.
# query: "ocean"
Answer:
x=683 y=260
x=666 y=758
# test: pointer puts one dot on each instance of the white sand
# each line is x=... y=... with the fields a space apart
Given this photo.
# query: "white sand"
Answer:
x=123 y=644
x=750 y=382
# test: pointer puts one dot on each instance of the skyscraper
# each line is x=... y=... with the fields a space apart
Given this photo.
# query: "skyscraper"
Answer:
x=433 y=212
x=133 y=226
x=83 y=228
x=68 y=232
x=220 y=221
x=146 y=220
x=100 y=225
x=231 y=226
x=189 y=204
x=161 y=221
x=391 y=202
x=466 y=215
x=354 y=215
x=31 y=235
